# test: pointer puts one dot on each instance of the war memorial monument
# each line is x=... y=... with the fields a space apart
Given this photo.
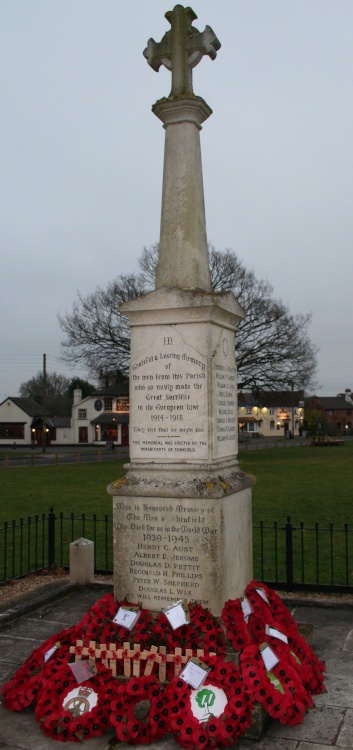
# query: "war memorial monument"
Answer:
x=182 y=515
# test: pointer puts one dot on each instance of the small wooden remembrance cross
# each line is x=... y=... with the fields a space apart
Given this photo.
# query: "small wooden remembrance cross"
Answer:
x=181 y=49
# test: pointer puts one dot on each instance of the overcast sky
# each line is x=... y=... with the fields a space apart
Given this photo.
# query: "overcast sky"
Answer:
x=82 y=157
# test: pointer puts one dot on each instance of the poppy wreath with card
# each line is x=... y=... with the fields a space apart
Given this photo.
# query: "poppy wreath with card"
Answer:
x=237 y=630
x=98 y=623
x=66 y=710
x=268 y=607
x=298 y=652
x=128 y=724
x=279 y=690
x=203 y=632
x=193 y=719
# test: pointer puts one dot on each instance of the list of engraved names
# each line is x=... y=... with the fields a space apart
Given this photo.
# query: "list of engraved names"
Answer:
x=171 y=544
x=225 y=412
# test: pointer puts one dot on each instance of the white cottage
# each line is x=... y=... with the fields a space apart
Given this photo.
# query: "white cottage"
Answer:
x=21 y=424
x=103 y=417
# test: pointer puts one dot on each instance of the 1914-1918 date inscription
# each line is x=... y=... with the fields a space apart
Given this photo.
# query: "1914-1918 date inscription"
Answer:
x=169 y=397
x=171 y=411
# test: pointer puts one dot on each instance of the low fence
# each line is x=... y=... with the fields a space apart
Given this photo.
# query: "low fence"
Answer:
x=41 y=542
x=289 y=557
x=304 y=558
x=22 y=459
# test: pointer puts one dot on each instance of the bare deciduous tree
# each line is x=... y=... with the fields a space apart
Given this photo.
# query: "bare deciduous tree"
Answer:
x=97 y=335
x=273 y=346
x=56 y=388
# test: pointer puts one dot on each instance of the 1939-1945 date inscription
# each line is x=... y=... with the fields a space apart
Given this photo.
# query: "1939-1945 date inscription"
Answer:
x=165 y=559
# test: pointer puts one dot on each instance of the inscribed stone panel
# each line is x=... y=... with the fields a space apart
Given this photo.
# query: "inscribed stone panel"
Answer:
x=169 y=394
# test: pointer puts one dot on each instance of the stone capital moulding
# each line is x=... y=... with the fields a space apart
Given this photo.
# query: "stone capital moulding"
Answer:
x=186 y=109
x=173 y=305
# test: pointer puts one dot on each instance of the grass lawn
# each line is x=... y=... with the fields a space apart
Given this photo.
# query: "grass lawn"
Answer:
x=71 y=490
x=313 y=486
x=309 y=484
x=79 y=488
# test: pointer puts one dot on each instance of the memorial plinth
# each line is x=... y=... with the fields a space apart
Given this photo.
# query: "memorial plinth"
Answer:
x=182 y=515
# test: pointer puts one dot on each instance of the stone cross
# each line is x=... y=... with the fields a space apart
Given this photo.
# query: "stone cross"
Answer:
x=181 y=49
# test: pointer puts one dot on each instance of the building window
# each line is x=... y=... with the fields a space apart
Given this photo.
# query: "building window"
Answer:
x=272 y=424
x=122 y=404
x=330 y=412
x=83 y=434
x=109 y=432
x=82 y=413
x=249 y=410
x=108 y=404
x=272 y=411
x=251 y=427
x=12 y=431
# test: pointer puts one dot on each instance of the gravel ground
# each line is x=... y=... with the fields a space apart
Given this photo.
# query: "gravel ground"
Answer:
x=16 y=587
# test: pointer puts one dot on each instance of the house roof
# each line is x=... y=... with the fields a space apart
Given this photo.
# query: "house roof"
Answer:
x=61 y=421
x=111 y=418
x=51 y=421
x=28 y=405
x=121 y=389
x=335 y=403
x=270 y=398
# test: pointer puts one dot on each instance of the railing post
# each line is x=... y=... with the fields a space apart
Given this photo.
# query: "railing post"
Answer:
x=289 y=554
x=51 y=539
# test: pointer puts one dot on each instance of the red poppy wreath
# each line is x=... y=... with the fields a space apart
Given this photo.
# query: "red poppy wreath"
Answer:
x=139 y=726
x=67 y=710
x=214 y=715
x=279 y=689
x=22 y=690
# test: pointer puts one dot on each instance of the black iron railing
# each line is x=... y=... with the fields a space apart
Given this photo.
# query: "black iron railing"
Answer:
x=289 y=557
x=299 y=557
x=35 y=543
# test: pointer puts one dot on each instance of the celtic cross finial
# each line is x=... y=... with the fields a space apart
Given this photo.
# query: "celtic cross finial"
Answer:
x=181 y=49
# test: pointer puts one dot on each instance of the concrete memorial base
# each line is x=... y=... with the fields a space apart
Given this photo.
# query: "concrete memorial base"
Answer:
x=196 y=545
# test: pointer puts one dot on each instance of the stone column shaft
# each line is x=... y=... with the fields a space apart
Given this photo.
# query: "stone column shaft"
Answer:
x=183 y=252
